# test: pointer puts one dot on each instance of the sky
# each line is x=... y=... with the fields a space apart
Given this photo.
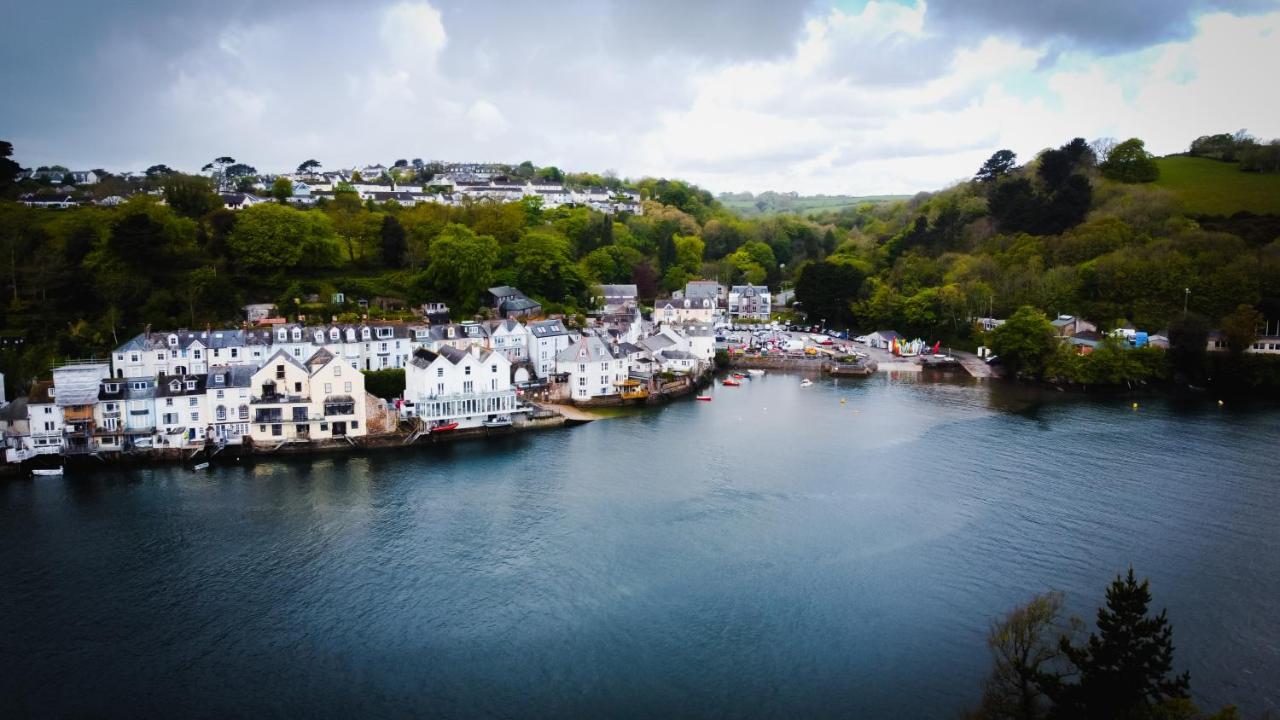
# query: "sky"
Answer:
x=862 y=97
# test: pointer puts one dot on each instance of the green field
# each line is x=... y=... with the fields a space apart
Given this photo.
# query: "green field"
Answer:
x=1211 y=187
x=802 y=205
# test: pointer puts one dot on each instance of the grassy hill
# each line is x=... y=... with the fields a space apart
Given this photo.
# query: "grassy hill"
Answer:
x=773 y=203
x=1212 y=187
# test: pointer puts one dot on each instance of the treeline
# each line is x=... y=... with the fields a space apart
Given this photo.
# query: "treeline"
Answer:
x=1252 y=154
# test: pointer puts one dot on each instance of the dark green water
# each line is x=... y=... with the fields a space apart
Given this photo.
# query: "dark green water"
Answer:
x=771 y=553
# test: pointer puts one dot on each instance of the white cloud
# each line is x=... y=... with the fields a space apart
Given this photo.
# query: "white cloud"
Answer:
x=413 y=35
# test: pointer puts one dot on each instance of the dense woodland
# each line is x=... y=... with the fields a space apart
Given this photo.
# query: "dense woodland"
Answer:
x=1078 y=229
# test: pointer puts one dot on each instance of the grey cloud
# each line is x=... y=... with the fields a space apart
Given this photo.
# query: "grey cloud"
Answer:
x=1103 y=26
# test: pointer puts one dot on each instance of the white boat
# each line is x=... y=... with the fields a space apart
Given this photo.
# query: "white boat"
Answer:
x=806 y=382
x=500 y=421
x=755 y=372
x=200 y=466
x=47 y=471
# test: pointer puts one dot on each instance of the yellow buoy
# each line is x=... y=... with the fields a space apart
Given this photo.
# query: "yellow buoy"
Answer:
x=843 y=401
x=1135 y=406
x=1220 y=403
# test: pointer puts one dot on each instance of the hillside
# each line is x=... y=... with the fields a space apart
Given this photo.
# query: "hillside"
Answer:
x=1212 y=187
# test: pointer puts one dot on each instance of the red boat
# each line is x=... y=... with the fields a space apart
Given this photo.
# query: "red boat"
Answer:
x=705 y=398
x=730 y=382
x=445 y=428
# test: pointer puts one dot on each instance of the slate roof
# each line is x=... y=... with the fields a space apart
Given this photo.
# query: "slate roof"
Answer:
x=231 y=376
x=547 y=328
x=164 y=385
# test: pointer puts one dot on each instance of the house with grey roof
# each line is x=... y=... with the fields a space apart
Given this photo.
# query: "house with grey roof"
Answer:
x=546 y=339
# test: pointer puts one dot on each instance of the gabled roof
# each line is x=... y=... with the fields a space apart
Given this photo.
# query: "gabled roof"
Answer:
x=619 y=291
x=39 y=393
x=287 y=358
x=588 y=348
x=547 y=328
x=504 y=291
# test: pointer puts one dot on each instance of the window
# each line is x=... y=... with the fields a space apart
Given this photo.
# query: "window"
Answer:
x=346 y=387
x=192 y=402
x=466 y=370
x=297 y=387
x=383 y=347
x=220 y=414
x=195 y=354
x=440 y=372
x=324 y=427
x=235 y=352
x=582 y=381
x=133 y=357
x=493 y=368
x=191 y=384
x=328 y=388
x=277 y=430
x=110 y=407
x=220 y=393
x=159 y=356
x=337 y=370
x=244 y=412
x=168 y=402
x=280 y=372
x=195 y=417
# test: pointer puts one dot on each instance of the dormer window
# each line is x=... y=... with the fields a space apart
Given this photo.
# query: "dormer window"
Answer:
x=364 y=333
x=297 y=334
x=173 y=341
x=351 y=335
x=175 y=386
x=282 y=336
x=191 y=384
x=384 y=332
x=217 y=379
x=333 y=334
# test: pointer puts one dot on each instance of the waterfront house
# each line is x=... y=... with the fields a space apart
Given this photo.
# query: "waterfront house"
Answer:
x=752 y=302
x=182 y=415
x=613 y=298
x=546 y=339
x=184 y=352
x=76 y=394
x=139 y=412
x=15 y=426
x=295 y=402
x=227 y=397
x=594 y=367
x=44 y=419
x=459 y=336
x=109 y=414
x=450 y=385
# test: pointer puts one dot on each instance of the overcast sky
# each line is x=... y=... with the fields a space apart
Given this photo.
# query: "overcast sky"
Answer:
x=851 y=98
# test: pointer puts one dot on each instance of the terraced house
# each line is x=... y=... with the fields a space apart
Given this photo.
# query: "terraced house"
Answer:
x=295 y=402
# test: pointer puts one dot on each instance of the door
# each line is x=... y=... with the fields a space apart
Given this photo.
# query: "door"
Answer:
x=339 y=428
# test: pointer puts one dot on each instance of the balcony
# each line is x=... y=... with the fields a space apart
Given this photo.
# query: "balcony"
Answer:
x=278 y=399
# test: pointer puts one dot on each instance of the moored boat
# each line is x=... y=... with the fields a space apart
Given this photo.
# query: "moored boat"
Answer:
x=445 y=427
x=200 y=466
x=755 y=372
x=730 y=382
x=705 y=398
x=806 y=382
x=500 y=421
x=47 y=471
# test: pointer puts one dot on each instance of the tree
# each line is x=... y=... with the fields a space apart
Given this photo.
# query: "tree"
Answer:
x=393 y=242
x=190 y=195
x=460 y=265
x=611 y=264
x=282 y=189
x=217 y=168
x=269 y=237
x=400 y=163
x=689 y=249
x=8 y=168
x=1124 y=670
x=826 y=289
x=544 y=267
x=1024 y=341
x=157 y=171
x=309 y=167
x=1024 y=649
x=1001 y=163
x=1241 y=328
x=1188 y=343
x=1129 y=162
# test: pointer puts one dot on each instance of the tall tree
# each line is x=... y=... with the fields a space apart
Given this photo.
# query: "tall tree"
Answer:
x=8 y=169
x=1025 y=341
x=393 y=242
x=1124 y=669
x=1241 y=328
x=1001 y=163
x=190 y=195
x=460 y=265
x=282 y=189
x=1024 y=650
x=308 y=167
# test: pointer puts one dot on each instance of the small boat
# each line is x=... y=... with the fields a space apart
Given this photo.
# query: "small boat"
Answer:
x=500 y=421
x=445 y=428
x=47 y=471
x=806 y=382
x=755 y=372
x=740 y=376
x=730 y=382
x=200 y=466
x=705 y=398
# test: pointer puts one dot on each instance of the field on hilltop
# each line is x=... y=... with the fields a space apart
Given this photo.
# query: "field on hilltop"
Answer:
x=769 y=203
x=1213 y=187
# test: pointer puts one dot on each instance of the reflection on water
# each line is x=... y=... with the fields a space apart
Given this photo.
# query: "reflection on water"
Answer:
x=837 y=549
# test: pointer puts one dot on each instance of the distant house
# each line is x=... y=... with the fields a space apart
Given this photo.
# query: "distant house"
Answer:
x=704 y=288
x=60 y=202
x=1064 y=326
x=1085 y=342
x=700 y=310
x=595 y=368
x=1261 y=345
x=614 y=297
x=436 y=313
x=509 y=302
x=240 y=201
x=750 y=302
x=255 y=313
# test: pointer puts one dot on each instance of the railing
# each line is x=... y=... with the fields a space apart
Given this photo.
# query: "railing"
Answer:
x=279 y=399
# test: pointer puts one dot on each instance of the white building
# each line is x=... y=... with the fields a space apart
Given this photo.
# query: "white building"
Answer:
x=511 y=339
x=227 y=397
x=182 y=415
x=295 y=402
x=679 y=311
x=468 y=387
x=44 y=420
x=546 y=339
x=595 y=368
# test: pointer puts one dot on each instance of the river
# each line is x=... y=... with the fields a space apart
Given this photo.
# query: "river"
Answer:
x=774 y=552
